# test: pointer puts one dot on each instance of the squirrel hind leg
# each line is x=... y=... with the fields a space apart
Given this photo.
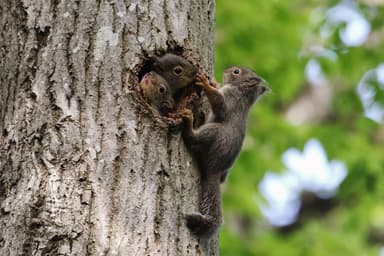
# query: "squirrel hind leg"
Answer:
x=201 y=225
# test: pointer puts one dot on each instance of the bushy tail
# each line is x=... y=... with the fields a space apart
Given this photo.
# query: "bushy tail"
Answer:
x=208 y=220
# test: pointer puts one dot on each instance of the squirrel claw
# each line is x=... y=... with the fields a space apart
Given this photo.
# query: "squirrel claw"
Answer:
x=200 y=76
x=202 y=81
x=186 y=114
x=214 y=83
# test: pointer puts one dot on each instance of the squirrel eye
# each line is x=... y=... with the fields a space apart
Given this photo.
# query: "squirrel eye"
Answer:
x=236 y=71
x=162 y=88
x=178 y=70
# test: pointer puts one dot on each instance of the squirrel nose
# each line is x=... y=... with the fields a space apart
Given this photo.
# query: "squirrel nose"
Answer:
x=147 y=75
x=167 y=105
x=263 y=87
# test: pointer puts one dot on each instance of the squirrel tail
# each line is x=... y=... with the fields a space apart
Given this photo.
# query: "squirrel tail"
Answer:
x=208 y=220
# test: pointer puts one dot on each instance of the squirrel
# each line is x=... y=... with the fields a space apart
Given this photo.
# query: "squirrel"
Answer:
x=157 y=92
x=176 y=70
x=216 y=144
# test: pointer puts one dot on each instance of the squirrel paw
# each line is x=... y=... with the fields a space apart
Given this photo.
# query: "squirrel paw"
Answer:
x=200 y=225
x=186 y=114
x=202 y=81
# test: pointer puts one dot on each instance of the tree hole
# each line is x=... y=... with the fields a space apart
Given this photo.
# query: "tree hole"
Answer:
x=166 y=83
x=146 y=67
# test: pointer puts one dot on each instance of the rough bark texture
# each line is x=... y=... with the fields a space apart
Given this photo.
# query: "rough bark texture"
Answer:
x=84 y=169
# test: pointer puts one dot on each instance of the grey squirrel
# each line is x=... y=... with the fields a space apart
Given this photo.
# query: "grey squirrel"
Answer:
x=216 y=144
x=175 y=69
x=157 y=92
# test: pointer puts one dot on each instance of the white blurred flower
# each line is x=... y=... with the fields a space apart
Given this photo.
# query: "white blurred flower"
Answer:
x=283 y=196
x=372 y=109
x=313 y=170
x=314 y=73
x=307 y=171
x=380 y=75
x=356 y=29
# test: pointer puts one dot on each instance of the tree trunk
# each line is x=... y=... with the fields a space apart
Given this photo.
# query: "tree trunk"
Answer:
x=85 y=170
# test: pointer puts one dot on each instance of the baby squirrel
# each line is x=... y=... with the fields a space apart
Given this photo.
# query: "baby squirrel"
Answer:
x=216 y=144
x=157 y=91
x=176 y=70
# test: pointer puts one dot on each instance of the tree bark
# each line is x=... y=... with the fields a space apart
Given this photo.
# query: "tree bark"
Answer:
x=85 y=170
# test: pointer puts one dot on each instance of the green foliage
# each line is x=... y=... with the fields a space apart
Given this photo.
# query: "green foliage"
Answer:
x=272 y=37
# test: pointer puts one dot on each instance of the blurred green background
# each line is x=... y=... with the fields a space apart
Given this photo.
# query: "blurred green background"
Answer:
x=314 y=55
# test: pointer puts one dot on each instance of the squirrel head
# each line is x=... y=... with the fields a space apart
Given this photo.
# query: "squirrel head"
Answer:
x=157 y=91
x=175 y=69
x=246 y=81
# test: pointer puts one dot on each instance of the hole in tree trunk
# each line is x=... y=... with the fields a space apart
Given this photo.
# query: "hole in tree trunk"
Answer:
x=166 y=83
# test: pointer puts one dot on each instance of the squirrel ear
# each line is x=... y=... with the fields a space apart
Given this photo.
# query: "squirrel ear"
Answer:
x=156 y=64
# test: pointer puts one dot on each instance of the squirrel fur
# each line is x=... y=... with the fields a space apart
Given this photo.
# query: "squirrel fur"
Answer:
x=176 y=70
x=216 y=144
x=157 y=92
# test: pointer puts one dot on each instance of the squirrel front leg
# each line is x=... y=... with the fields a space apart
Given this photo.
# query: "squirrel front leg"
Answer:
x=196 y=140
x=187 y=133
x=215 y=98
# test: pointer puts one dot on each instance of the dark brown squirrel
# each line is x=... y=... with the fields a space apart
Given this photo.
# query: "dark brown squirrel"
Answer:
x=216 y=144
x=157 y=92
x=176 y=70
